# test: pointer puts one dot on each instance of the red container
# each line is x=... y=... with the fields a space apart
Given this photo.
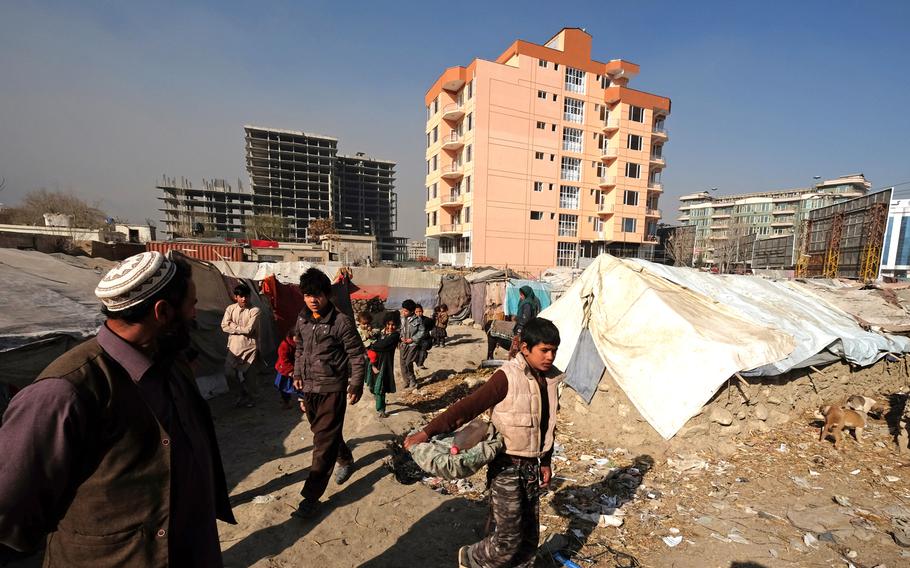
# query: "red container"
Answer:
x=201 y=251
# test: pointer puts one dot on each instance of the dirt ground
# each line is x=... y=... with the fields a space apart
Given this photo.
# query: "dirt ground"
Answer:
x=740 y=495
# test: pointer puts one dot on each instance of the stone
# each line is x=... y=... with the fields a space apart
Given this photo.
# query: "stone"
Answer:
x=761 y=411
x=774 y=400
x=477 y=326
x=695 y=430
x=777 y=418
x=820 y=519
x=731 y=430
x=741 y=415
x=604 y=386
x=722 y=416
x=467 y=322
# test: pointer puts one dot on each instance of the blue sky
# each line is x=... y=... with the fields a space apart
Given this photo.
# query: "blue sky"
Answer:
x=102 y=98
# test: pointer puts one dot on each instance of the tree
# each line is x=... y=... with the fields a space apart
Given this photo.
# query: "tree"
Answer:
x=320 y=227
x=680 y=244
x=267 y=227
x=732 y=246
x=38 y=202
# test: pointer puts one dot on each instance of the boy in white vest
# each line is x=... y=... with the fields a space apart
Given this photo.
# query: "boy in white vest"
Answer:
x=523 y=398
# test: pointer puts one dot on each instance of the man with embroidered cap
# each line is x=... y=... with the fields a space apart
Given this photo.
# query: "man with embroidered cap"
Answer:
x=111 y=453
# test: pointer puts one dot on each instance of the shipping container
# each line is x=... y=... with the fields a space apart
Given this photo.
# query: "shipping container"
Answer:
x=201 y=251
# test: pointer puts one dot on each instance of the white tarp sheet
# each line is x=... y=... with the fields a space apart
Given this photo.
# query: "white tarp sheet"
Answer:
x=667 y=347
x=822 y=331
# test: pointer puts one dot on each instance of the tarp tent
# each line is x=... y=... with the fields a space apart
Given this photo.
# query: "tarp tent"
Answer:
x=667 y=347
x=455 y=293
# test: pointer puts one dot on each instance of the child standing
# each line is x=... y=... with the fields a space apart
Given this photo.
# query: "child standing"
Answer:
x=523 y=397
x=381 y=374
x=284 y=380
x=426 y=342
x=440 y=331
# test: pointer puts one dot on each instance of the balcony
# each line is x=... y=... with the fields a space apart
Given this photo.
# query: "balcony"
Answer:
x=788 y=211
x=453 y=111
x=451 y=229
x=657 y=161
x=611 y=95
x=650 y=239
x=683 y=218
x=656 y=187
x=454 y=200
x=720 y=216
x=608 y=154
x=454 y=141
x=652 y=212
x=783 y=223
x=607 y=182
x=454 y=171
x=611 y=124
x=720 y=227
x=606 y=208
x=659 y=132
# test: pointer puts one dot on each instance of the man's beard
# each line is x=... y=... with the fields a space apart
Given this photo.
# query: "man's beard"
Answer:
x=177 y=338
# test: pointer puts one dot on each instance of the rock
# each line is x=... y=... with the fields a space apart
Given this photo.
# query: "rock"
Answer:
x=777 y=418
x=477 y=326
x=695 y=430
x=741 y=415
x=819 y=519
x=467 y=322
x=604 y=386
x=773 y=400
x=761 y=411
x=722 y=416
x=731 y=430
x=757 y=426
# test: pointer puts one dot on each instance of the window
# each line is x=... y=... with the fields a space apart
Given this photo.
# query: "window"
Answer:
x=575 y=80
x=538 y=155
x=571 y=169
x=435 y=133
x=536 y=215
x=428 y=139
x=467 y=184
x=568 y=225
x=629 y=225
x=566 y=254
x=598 y=224
x=604 y=82
x=542 y=62
x=541 y=94
x=435 y=163
x=470 y=121
x=467 y=214
x=568 y=197
x=636 y=114
x=552 y=157
x=554 y=97
x=553 y=127
x=468 y=152
x=428 y=167
x=428 y=219
x=436 y=105
x=471 y=90
x=573 y=110
x=634 y=142
x=572 y=139
x=538 y=186
x=630 y=197
x=446 y=246
x=435 y=193
x=633 y=170
x=429 y=193
x=429 y=111
x=556 y=66
x=541 y=125
x=434 y=218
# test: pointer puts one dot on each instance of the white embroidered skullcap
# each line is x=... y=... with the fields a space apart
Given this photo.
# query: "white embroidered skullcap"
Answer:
x=134 y=280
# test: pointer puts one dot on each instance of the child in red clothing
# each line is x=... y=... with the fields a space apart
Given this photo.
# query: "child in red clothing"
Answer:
x=285 y=367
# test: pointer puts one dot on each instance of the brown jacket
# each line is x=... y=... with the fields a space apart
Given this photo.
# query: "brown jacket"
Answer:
x=330 y=356
x=518 y=415
x=118 y=514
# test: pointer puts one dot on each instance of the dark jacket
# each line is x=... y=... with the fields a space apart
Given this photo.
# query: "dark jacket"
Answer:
x=384 y=381
x=118 y=513
x=330 y=356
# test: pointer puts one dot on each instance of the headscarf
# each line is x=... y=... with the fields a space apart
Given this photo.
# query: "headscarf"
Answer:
x=530 y=299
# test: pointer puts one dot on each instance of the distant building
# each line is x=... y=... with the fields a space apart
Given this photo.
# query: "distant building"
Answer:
x=542 y=157
x=896 y=248
x=417 y=250
x=294 y=178
x=350 y=249
x=721 y=222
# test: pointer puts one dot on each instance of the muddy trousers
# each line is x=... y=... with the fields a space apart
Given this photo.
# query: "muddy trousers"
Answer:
x=514 y=511
x=325 y=412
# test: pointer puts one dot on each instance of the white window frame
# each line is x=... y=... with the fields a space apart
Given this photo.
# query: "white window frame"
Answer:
x=566 y=254
x=625 y=223
x=632 y=113
x=630 y=195
x=634 y=137
x=538 y=155
x=573 y=110
x=568 y=225
x=538 y=186
x=573 y=139
x=633 y=167
x=570 y=169
x=569 y=196
x=541 y=94
x=575 y=80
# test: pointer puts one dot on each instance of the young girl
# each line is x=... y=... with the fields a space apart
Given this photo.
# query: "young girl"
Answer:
x=381 y=375
x=285 y=367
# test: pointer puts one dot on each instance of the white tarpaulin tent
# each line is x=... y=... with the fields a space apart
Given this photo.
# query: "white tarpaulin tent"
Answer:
x=823 y=332
x=667 y=347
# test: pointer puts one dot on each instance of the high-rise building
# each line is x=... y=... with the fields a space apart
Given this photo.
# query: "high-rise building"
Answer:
x=721 y=222
x=543 y=157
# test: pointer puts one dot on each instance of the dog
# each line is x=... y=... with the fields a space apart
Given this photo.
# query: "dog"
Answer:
x=838 y=418
x=865 y=404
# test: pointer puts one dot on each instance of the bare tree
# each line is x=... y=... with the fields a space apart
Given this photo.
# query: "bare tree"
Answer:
x=320 y=227
x=268 y=227
x=680 y=245
x=38 y=202
x=732 y=246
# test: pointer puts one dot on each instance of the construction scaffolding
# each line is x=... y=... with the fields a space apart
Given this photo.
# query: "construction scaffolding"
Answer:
x=845 y=240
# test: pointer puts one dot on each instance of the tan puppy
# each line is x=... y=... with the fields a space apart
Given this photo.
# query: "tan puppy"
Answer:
x=838 y=418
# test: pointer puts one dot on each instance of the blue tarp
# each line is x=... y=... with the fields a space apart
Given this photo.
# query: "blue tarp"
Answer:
x=586 y=367
x=541 y=290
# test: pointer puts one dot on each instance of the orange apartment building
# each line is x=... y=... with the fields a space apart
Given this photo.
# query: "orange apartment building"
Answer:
x=543 y=157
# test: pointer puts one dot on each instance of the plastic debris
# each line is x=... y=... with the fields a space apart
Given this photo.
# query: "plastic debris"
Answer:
x=672 y=541
x=263 y=499
x=810 y=540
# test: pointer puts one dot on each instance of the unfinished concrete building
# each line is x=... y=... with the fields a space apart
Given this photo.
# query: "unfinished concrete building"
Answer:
x=367 y=203
x=213 y=210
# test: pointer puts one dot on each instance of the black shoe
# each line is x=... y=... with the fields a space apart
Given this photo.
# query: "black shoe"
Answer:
x=307 y=509
x=343 y=473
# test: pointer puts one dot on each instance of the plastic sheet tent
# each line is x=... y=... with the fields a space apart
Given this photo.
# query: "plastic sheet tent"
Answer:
x=667 y=347
x=823 y=332
x=541 y=290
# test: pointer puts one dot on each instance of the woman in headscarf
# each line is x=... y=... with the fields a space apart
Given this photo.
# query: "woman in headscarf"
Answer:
x=528 y=308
